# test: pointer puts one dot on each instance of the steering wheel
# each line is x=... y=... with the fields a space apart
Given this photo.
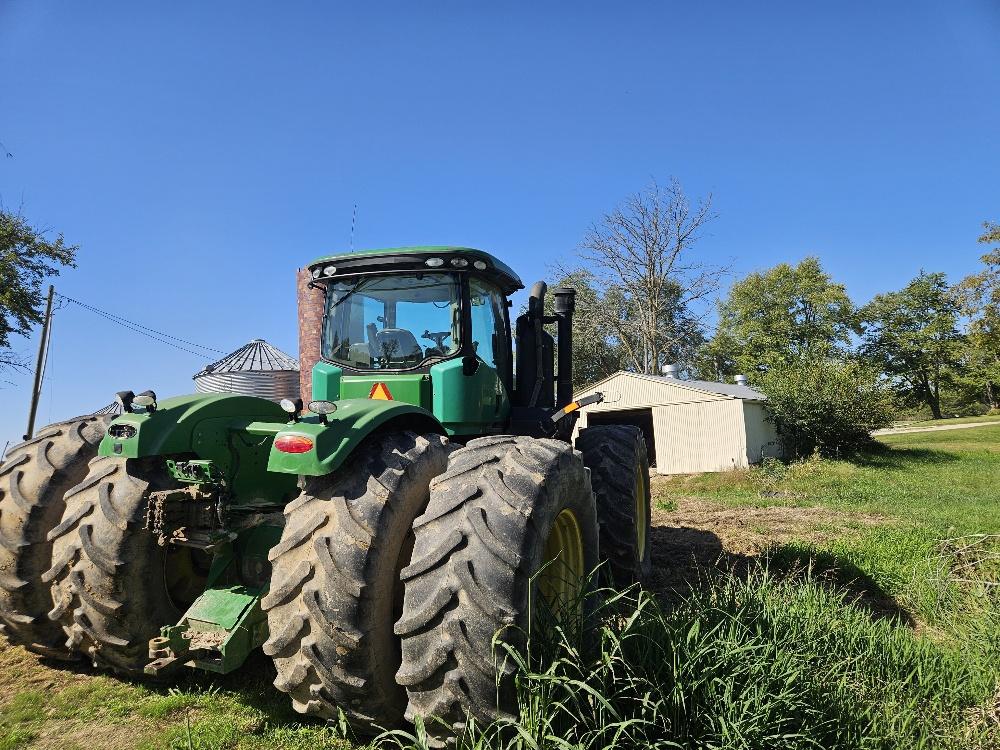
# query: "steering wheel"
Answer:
x=437 y=338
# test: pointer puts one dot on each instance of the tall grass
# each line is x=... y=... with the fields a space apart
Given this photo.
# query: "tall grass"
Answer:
x=770 y=661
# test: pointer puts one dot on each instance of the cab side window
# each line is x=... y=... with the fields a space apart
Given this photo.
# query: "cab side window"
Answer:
x=487 y=323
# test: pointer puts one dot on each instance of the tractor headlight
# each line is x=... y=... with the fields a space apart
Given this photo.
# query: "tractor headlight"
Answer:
x=459 y=262
x=322 y=407
x=434 y=262
x=329 y=270
x=316 y=273
x=291 y=406
x=480 y=265
x=147 y=400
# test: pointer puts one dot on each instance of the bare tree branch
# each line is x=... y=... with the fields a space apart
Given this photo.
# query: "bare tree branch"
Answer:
x=641 y=257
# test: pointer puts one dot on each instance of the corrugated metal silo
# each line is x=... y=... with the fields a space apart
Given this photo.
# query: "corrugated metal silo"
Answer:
x=257 y=369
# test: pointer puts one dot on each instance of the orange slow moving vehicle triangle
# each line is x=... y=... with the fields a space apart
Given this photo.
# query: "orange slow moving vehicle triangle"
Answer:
x=380 y=391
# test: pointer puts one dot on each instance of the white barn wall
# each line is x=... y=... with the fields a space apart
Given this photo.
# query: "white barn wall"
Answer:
x=700 y=436
x=762 y=437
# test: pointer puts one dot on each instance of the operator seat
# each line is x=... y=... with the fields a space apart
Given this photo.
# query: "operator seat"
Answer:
x=398 y=345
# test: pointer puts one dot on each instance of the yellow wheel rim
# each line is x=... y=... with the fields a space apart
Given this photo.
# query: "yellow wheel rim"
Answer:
x=561 y=580
x=640 y=513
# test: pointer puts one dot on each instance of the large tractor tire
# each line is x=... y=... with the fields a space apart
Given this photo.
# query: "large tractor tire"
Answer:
x=619 y=473
x=113 y=585
x=33 y=481
x=513 y=518
x=335 y=590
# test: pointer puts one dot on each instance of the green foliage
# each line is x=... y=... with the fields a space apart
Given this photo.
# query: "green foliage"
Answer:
x=771 y=661
x=913 y=335
x=596 y=351
x=779 y=316
x=979 y=295
x=771 y=474
x=604 y=315
x=825 y=405
x=26 y=259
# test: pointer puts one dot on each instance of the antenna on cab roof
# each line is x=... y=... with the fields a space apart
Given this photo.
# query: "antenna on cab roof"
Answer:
x=354 y=218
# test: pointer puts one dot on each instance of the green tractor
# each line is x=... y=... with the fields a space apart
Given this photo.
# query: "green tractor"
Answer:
x=376 y=544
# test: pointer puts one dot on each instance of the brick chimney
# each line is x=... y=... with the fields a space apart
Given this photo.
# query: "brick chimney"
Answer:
x=310 y=330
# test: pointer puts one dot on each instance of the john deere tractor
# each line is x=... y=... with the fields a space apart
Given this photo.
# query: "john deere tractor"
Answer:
x=377 y=543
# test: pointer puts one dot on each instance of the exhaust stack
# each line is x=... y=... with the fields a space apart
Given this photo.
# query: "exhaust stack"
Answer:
x=564 y=306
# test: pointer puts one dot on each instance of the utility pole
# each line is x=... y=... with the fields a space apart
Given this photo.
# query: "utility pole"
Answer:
x=43 y=345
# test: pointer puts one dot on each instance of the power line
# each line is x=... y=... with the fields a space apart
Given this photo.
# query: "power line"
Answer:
x=163 y=338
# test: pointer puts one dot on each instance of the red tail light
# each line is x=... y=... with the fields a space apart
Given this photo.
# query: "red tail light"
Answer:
x=293 y=444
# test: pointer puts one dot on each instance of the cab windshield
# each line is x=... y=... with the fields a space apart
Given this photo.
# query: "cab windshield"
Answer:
x=391 y=322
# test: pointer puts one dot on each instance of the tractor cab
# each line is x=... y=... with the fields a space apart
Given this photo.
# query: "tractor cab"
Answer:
x=431 y=326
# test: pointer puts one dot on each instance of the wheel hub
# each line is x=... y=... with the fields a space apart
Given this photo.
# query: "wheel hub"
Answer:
x=561 y=580
x=640 y=513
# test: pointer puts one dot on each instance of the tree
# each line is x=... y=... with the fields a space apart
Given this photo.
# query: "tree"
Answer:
x=824 y=404
x=26 y=259
x=779 y=316
x=979 y=295
x=639 y=261
x=596 y=351
x=913 y=335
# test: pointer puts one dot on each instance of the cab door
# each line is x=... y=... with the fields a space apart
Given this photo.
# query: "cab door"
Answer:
x=469 y=394
x=489 y=340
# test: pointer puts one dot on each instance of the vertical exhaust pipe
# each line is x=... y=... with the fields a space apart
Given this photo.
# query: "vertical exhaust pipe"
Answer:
x=536 y=316
x=564 y=305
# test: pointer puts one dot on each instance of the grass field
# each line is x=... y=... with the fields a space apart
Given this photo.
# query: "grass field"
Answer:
x=951 y=420
x=828 y=604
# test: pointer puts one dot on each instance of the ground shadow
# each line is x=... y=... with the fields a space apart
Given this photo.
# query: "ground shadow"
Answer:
x=886 y=456
x=836 y=572
x=686 y=559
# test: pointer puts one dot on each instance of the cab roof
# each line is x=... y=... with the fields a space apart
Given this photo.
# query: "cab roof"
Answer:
x=495 y=268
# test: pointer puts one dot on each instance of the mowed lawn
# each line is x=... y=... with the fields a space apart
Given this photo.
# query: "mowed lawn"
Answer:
x=936 y=492
x=944 y=480
x=914 y=523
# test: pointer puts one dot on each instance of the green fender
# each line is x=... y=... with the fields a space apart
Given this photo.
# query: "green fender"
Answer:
x=212 y=427
x=354 y=420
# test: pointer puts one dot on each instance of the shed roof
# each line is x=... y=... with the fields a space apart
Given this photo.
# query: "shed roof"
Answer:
x=730 y=390
x=256 y=356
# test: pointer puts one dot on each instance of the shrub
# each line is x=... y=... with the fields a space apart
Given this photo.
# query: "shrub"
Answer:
x=825 y=405
x=763 y=662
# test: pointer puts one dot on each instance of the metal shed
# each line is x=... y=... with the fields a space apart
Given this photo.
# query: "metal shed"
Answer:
x=256 y=369
x=690 y=425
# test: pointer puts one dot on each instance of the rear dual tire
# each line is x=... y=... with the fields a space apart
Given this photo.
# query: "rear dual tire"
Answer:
x=496 y=519
x=109 y=576
x=492 y=515
x=335 y=590
x=619 y=472
x=34 y=480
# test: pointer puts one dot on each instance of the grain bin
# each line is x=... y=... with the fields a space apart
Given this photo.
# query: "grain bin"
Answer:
x=257 y=369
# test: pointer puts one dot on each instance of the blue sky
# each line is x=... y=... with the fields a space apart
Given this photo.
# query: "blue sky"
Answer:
x=200 y=154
